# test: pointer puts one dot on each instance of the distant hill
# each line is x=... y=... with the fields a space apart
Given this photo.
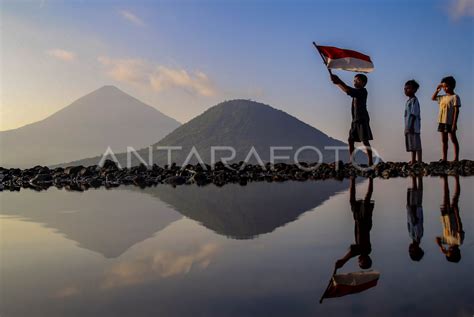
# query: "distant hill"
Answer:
x=105 y=117
x=240 y=124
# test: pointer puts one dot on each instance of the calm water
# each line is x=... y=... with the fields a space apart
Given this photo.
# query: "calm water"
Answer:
x=265 y=249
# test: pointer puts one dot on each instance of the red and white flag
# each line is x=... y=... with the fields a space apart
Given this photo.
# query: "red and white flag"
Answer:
x=338 y=58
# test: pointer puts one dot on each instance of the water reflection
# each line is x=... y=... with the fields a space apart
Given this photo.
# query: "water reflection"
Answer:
x=245 y=212
x=415 y=217
x=156 y=264
x=165 y=264
x=111 y=221
x=453 y=234
x=103 y=221
x=362 y=211
x=355 y=282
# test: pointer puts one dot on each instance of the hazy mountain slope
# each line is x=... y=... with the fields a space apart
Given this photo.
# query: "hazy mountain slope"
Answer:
x=240 y=124
x=105 y=117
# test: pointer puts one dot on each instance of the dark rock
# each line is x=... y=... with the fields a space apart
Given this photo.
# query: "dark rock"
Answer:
x=175 y=180
x=86 y=172
x=110 y=165
x=81 y=178
x=200 y=178
x=44 y=170
x=15 y=171
x=94 y=182
x=41 y=179
x=139 y=181
x=139 y=169
x=73 y=170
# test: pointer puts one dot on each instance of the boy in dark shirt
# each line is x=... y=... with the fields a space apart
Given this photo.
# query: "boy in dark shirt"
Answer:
x=360 y=128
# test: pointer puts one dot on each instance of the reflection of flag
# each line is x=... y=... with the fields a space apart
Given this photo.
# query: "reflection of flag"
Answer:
x=338 y=58
x=350 y=283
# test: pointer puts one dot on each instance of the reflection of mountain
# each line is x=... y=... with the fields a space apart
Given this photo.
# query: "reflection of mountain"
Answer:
x=104 y=221
x=111 y=221
x=244 y=212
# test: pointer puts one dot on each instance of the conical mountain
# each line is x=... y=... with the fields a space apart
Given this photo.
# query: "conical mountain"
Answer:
x=240 y=124
x=102 y=118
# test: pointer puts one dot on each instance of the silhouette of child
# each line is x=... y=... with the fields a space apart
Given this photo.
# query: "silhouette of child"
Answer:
x=360 y=128
x=415 y=218
x=448 y=114
x=453 y=234
x=362 y=211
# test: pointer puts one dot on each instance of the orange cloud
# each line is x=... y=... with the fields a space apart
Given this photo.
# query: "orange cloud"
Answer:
x=461 y=8
x=61 y=54
x=127 y=70
x=162 y=264
x=198 y=83
x=158 y=78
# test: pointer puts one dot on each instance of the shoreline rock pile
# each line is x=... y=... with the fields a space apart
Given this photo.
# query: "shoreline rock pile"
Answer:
x=81 y=178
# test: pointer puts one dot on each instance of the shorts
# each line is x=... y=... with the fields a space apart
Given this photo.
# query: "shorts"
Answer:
x=414 y=197
x=445 y=127
x=360 y=131
x=412 y=142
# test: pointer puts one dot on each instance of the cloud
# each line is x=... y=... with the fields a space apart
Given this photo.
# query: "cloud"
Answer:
x=127 y=70
x=66 y=292
x=129 y=16
x=158 y=78
x=461 y=8
x=63 y=55
x=198 y=83
x=162 y=264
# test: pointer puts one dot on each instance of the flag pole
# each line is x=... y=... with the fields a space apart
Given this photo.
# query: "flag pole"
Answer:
x=322 y=57
x=328 y=287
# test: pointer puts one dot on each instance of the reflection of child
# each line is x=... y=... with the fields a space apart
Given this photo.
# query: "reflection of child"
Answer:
x=362 y=211
x=415 y=218
x=453 y=234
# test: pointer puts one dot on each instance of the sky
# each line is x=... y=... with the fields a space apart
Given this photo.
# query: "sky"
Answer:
x=183 y=57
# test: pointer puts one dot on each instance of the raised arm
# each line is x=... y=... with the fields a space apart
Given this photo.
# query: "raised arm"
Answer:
x=435 y=94
x=440 y=245
x=350 y=254
x=339 y=83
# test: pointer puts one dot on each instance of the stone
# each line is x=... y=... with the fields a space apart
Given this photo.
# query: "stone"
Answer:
x=175 y=180
x=73 y=170
x=41 y=179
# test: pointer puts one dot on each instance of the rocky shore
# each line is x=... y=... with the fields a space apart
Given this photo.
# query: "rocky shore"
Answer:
x=81 y=178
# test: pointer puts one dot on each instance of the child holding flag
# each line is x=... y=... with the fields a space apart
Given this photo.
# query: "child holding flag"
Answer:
x=360 y=128
x=350 y=60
